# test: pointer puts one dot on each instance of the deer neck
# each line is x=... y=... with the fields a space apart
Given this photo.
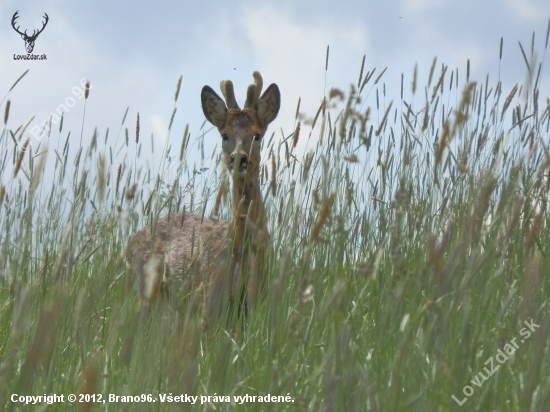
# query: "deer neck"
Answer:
x=247 y=202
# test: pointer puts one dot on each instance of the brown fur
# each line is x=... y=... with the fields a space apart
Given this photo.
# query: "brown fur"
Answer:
x=194 y=255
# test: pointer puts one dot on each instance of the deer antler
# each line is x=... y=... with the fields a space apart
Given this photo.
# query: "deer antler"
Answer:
x=259 y=82
x=35 y=33
x=43 y=26
x=14 y=18
x=226 y=87
x=253 y=91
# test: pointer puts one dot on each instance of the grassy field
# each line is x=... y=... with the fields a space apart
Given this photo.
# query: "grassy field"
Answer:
x=411 y=246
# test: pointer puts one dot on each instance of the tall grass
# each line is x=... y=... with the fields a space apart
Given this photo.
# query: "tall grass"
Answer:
x=411 y=243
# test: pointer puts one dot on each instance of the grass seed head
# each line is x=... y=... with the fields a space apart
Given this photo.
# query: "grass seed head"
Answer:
x=137 y=129
x=21 y=156
x=296 y=135
x=222 y=194
x=39 y=169
x=383 y=122
x=119 y=173
x=178 y=86
x=273 y=175
x=7 y=112
x=298 y=108
x=87 y=90
x=131 y=193
x=184 y=141
x=101 y=176
x=441 y=144
x=324 y=214
x=361 y=71
x=336 y=94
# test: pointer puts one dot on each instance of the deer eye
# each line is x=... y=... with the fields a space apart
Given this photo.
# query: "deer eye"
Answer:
x=257 y=137
x=225 y=137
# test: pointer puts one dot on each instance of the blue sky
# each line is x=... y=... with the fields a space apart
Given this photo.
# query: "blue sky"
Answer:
x=134 y=51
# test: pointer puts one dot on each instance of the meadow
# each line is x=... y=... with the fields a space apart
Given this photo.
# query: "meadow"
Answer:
x=409 y=271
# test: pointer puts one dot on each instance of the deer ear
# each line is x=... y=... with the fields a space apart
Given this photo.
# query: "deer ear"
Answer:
x=268 y=105
x=213 y=107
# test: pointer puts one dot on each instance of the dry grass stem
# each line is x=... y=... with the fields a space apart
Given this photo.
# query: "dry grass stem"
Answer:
x=23 y=129
x=383 y=122
x=432 y=69
x=439 y=83
x=508 y=100
x=298 y=108
x=307 y=165
x=221 y=195
x=147 y=207
x=20 y=157
x=380 y=75
x=317 y=115
x=366 y=80
x=426 y=117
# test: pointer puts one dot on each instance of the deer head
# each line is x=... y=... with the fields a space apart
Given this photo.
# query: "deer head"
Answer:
x=29 y=40
x=241 y=130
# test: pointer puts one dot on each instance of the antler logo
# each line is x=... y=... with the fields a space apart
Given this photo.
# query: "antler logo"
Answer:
x=29 y=40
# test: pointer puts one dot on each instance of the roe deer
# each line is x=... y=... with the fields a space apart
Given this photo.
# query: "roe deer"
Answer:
x=183 y=253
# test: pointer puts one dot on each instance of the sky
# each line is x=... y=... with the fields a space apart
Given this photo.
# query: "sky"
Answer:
x=133 y=53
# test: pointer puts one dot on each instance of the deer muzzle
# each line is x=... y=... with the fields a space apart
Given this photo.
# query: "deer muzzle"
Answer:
x=239 y=162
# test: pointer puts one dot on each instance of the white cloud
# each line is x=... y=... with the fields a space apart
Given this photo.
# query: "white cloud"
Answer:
x=158 y=127
x=528 y=9
x=293 y=55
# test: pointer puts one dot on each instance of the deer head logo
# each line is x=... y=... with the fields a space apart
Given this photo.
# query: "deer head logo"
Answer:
x=29 y=40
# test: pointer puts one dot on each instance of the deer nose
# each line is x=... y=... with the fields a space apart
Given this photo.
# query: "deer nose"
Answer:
x=243 y=162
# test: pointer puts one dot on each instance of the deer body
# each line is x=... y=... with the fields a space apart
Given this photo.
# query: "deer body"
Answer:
x=202 y=254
